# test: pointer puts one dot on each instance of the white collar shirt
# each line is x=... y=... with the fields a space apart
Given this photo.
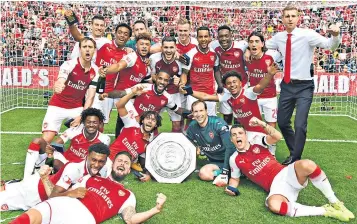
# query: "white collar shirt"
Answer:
x=303 y=42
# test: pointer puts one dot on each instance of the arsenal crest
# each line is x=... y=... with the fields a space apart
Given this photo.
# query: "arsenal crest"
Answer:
x=175 y=69
x=121 y=193
x=236 y=54
x=67 y=180
x=211 y=135
x=256 y=150
x=242 y=100
x=212 y=57
x=45 y=124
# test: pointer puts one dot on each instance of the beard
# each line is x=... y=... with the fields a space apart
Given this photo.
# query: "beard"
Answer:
x=116 y=177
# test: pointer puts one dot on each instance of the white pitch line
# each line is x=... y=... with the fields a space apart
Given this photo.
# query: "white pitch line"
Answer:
x=309 y=140
x=11 y=218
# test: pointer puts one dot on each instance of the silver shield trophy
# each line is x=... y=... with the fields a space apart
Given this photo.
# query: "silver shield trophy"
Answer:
x=170 y=157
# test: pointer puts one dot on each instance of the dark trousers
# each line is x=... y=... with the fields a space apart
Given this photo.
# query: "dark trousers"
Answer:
x=297 y=94
x=119 y=126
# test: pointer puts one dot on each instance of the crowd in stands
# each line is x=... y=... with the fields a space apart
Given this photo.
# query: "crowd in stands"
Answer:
x=36 y=33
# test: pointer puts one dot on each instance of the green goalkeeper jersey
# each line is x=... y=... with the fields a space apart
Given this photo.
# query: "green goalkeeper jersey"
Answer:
x=213 y=140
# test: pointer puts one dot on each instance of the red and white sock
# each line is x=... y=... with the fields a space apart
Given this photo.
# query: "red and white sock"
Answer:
x=294 y=209
x=31 y=158
x=320 y=181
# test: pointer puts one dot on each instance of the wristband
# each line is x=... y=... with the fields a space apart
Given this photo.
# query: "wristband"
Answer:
x=188 y=89
x=128 y=91
x=234 y=190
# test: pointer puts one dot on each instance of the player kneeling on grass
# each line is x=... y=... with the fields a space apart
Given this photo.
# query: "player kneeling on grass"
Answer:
x=27 y=193
x=282 y=182
x=81 y=138
x=103 y=199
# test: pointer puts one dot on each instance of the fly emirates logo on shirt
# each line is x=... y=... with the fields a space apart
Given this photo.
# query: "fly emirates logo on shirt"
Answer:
x=259 y=165
x=227 y=64
x=102 y=192
x=131 y=147
x=137 y=79
x=257 y=73
x=241 y=114
x=149 y=108
x=111 y=62
x=81 y=153
x=205 y=68
x=211 y=148
x=80 y=85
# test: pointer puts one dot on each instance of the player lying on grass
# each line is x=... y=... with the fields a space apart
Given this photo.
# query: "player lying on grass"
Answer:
x=102 y=200
x=31 y=191
x=81 y=138
x=283 y=183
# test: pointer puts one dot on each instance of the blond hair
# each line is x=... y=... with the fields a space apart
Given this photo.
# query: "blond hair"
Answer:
x=183 y=21
x=290 y=7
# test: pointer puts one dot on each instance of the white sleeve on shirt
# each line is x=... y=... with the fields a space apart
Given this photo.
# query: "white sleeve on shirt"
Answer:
x=316 y=40
x=170 y=101
x=66 y=68
x=250 y=94
x=259 y=140
x=131 y=201
x=216 y=62
x=70 y=175
x=130 y=59
x=129 y=121
x=71 y=133
x=272 y=43
x=104 y=138
x=235 y=171
x=75 y=52
x=276 y=55
x=243 y=45
x=224 y=97
x=153 y=62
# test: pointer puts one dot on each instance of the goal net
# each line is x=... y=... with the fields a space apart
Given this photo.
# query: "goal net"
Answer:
x=35 y=41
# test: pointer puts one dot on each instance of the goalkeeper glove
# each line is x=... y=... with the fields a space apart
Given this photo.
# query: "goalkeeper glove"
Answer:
x=222 y=179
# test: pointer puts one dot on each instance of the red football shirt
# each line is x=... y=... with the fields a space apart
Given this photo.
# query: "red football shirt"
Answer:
x=131 y=139
x=245 y=106
x=257 y=163
x=135 y=72
x=151 y=100
x=78 y=149
x=107 y=55
x=77 y=83
x=157 y=63
x=105 y=198
x=201 y=70
x=258 y=69
x=232 y=58
x=184 y=48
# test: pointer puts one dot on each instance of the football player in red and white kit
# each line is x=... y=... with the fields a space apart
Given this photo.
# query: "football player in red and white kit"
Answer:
x=165 y=61
x=230 y=54
x=81 y=138
x=132 y=69
x=31 y=191
x=110 y=197
x=257 y=69
x=203 y=69
x=111 y=53
x=75 y=78
x=283 y=183
x=98 y=29
x=243 y=101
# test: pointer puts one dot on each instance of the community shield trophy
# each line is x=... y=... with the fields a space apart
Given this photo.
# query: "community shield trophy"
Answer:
x=170 y=157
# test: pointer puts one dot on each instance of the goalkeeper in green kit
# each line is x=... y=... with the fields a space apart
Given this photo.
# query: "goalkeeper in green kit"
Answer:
x=211 y=136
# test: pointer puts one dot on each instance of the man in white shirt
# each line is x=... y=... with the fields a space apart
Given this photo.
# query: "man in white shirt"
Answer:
x=297 y=88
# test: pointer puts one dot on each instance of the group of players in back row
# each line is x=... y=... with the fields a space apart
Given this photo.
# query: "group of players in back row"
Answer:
x=180 y=77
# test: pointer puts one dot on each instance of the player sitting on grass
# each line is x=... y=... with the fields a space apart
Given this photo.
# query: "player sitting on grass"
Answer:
x=282 y=182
